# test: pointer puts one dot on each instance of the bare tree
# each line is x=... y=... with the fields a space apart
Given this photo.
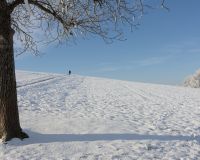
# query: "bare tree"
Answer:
x=60 y=20
x=193 y=81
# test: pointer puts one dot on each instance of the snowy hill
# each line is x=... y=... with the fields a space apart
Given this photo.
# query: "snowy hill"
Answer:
x=75 y=117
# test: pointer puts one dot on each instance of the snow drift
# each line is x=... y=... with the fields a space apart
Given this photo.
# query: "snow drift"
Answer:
x=87 y=118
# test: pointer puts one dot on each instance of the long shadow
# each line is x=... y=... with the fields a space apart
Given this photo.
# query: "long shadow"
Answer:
x=51 y=138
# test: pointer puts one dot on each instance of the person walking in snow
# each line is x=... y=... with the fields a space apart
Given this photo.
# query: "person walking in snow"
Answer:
x=70 y=72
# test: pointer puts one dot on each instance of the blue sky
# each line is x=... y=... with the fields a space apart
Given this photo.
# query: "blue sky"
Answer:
x=164 y=49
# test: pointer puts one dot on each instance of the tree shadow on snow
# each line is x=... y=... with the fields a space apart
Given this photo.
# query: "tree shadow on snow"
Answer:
x=38 y=138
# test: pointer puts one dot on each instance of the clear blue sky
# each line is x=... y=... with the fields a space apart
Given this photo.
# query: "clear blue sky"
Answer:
x=164 y=49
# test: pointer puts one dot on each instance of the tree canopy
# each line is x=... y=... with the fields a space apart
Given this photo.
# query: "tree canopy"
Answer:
x=68 y=19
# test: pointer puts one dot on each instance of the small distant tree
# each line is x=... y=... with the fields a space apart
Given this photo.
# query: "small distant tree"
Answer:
x=193 y=81
x=59 y=20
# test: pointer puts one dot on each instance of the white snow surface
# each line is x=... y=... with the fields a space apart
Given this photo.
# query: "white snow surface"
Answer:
x=87 y=118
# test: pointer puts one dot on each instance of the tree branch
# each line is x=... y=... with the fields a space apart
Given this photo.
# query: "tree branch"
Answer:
x=50 y=11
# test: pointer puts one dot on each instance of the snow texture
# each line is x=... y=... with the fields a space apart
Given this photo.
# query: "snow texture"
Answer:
x=28 y=7
x=86 y=118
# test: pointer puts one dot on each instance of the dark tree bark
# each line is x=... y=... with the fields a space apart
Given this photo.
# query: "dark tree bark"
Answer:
x=9 y=117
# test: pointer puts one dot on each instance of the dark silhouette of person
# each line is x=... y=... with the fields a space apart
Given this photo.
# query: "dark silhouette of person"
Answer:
x=70 y=72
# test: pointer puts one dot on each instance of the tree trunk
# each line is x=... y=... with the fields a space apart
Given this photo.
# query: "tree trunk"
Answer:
x=9 y=117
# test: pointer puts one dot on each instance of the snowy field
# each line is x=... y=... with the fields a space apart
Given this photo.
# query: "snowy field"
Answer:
x=75 y=117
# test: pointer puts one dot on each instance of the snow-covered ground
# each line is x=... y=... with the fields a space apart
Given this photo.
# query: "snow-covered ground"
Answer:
x=75 y=117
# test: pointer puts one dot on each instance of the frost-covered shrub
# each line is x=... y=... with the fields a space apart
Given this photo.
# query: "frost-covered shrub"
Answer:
x=193 y=80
